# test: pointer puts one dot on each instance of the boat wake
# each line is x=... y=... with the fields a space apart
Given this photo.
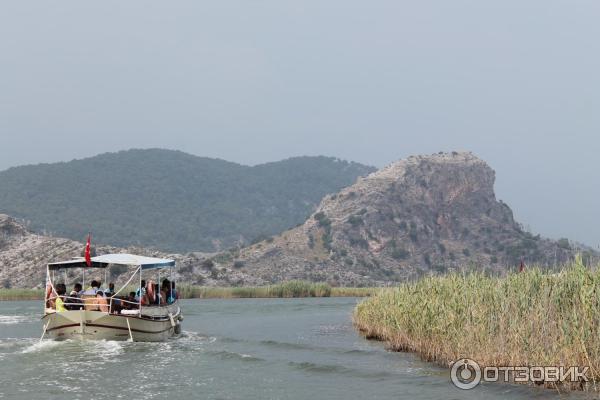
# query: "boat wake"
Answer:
x=189 y=336
x=40 y=346
x=108 y=349
x=232 y=355
x=14 y=319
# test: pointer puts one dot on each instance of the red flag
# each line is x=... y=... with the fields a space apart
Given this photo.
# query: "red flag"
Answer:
x=88 y=257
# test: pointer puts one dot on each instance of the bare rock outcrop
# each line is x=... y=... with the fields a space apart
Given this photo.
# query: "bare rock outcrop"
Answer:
x=425 y=213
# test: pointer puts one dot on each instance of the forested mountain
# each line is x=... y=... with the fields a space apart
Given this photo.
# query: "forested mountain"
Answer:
x=170 y=200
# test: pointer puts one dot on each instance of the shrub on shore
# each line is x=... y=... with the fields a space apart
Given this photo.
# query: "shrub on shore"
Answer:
x=530 y=318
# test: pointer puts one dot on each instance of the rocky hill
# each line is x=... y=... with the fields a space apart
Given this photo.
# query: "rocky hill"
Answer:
x=170 y=200
x=24 y=255
x=425 y=213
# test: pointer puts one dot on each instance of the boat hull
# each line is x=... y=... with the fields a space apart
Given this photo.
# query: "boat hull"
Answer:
x=154 y=325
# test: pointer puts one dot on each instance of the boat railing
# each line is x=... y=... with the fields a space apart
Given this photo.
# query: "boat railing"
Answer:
x=93 y=303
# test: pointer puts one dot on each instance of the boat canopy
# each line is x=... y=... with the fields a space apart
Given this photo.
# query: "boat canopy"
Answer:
x=105 y=260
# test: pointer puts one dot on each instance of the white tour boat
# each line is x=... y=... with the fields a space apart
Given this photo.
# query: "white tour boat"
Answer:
x=95 y=315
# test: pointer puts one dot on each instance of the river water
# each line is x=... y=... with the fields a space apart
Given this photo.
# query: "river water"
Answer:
x=231 y=349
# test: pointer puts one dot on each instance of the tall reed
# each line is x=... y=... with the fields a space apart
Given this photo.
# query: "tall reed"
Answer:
x=530 y=318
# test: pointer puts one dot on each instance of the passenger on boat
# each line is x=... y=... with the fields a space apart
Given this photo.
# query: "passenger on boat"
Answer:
x=77 y=290
x=173 y=295
x=116 y=305
x=61 y=290
x=110 y=291
x=168 y=288
x=153 y=295
x=101 y=301
x=141 y=292
x=50 y=294
x=148 y=294
x=160 y=296
x=94 y=287
x=130 y=302
x=165 y=290
x=74 y=301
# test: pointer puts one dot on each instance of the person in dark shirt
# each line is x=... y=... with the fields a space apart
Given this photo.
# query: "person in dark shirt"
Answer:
x=74 y=301
x=131 y=302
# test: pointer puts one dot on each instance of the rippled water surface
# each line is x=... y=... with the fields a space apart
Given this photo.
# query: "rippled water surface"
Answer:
x=231 y=349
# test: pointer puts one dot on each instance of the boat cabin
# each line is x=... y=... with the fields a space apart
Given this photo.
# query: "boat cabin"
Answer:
x=75 y=285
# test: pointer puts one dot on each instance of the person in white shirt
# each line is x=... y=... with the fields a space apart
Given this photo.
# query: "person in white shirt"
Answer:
x=93 y=289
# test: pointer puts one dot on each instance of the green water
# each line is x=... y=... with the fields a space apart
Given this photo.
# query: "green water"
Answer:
x=231 y=349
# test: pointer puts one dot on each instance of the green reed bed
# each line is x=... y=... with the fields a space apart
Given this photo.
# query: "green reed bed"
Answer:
x=286 y=289
x=202 y=292
x=21 y=294
x=282 y=290
x=529 y=318
x=354 y=291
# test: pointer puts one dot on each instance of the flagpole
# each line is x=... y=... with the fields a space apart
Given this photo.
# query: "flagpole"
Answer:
x=88 y=258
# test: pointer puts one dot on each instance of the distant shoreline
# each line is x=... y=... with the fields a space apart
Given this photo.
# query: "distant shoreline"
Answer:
x=289 y=289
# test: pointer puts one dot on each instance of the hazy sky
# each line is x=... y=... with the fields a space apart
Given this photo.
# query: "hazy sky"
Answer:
x=515 y=81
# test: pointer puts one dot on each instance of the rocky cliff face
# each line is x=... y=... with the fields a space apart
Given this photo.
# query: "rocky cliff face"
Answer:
x=424 y=213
